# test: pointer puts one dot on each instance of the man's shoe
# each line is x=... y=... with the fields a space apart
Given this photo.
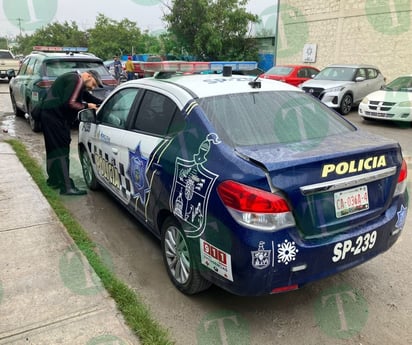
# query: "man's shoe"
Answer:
x=73 y=191
x=54 y=185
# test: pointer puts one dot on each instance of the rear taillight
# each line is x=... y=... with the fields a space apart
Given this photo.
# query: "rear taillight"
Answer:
x=110 y=82
x=255 y=208
x=402 y=179
x=45 y=84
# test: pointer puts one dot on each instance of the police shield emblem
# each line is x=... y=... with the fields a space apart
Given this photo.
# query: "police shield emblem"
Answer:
x=261 y=257
x=192 y=184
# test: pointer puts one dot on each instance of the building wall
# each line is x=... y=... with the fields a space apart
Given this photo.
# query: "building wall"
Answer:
x=377 y=32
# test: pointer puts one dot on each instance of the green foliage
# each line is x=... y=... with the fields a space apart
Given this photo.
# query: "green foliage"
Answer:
x=3 y=43
x=213 y=29
x=206 y=29
x=109 y=38
x=54 y=34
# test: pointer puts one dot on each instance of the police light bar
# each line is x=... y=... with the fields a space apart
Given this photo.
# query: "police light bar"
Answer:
x=176 y=66
x=60 y=49
x=236 y=65
x=197 y=66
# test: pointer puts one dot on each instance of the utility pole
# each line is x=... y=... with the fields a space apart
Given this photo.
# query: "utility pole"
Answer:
x=276 y=31
x=19 y=20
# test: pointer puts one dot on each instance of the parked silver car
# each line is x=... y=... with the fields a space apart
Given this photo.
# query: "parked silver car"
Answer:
x=343 y=86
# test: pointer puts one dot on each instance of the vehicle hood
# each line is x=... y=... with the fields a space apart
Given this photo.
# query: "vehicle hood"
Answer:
x=325 y=84
x=390 y=96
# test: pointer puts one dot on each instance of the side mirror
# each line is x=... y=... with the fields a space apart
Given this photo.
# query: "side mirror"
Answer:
x=358 y=79
x=87 y=115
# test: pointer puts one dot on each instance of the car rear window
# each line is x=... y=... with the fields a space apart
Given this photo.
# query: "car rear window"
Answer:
x=263 y=118
x=59 y=67
x=280 y=70
x=6 y=55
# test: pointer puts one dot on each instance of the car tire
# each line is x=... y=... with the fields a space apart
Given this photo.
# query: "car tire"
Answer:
x=35 y=125
x=179 y=260
x=16 y=110
x=346 y=104
x=88 y=172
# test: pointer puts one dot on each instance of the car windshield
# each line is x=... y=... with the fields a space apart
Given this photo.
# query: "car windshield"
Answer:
x=280 y=70
x=400 y=84
x=59 y=67
x=264 y=118
x=6 y=55
x=337 y=73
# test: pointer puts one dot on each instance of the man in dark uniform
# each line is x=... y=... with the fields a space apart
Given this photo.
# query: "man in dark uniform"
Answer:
x=68 y=94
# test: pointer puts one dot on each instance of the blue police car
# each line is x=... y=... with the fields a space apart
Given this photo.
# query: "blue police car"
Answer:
x=250 y=184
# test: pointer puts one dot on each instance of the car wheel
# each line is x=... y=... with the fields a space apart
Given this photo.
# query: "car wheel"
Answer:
x=346 y=104
x=88 y=172
x=35 y=125
x=179 y=260
x=16 y=110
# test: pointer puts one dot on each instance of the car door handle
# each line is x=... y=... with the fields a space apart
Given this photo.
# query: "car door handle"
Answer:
x=156 y=166
x=115 y=150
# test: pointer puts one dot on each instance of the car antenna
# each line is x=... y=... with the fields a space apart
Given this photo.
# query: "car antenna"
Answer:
x=255 y=84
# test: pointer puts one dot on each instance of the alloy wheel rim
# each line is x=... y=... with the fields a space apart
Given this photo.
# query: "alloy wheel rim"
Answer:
x=86 y=168
x=177 y=255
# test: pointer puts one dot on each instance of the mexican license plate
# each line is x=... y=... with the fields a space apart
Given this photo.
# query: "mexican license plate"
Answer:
x=351 y=201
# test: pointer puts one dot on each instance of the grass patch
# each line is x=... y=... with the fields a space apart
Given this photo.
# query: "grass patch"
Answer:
x=136 y=314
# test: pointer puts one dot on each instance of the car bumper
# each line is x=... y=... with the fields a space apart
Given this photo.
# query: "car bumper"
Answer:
x=331 y=99
x=394 y=114
x=270 y=263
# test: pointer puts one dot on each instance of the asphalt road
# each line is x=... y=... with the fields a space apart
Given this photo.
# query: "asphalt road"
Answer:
x=369 y=305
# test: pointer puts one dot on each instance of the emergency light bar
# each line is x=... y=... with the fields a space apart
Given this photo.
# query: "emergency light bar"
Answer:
x=197 y=66
x=60 y=49
x=176 y=66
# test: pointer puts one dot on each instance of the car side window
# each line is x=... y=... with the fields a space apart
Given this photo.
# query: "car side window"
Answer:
x=156 y=114
x=372 y=73
x=361 y=73
x=302 y=73
x=30 y=67
x=312 y=72
x=36 y=67
x=23 y=68
x=116 y=110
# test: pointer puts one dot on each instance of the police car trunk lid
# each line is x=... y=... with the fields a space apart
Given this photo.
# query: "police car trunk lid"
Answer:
x=333 y=184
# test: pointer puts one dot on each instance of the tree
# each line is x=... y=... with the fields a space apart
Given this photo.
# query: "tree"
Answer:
x=54 y=34
x=109 y=38
x=4 y=43
x=213 y=29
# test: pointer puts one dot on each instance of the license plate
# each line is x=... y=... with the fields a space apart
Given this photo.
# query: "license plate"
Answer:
x=351 y=201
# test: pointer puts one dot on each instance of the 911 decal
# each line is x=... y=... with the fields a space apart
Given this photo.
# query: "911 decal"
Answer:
x=361 y=245
x=216 y=259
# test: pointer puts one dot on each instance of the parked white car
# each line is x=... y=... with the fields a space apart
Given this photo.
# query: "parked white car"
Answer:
x=344 y=86
x=393 y=103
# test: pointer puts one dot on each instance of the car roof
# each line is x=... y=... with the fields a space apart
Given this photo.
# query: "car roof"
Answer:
x=207 y=85
x=54 y=55
x=352 y=66
x=290 y=65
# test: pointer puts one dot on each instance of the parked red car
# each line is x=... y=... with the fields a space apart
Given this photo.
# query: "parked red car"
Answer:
x=291 y=74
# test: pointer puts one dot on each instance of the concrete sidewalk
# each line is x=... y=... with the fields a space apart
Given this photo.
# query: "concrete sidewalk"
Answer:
x=49 y=294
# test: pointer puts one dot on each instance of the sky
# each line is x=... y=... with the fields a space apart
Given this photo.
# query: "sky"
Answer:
x=25 y=16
